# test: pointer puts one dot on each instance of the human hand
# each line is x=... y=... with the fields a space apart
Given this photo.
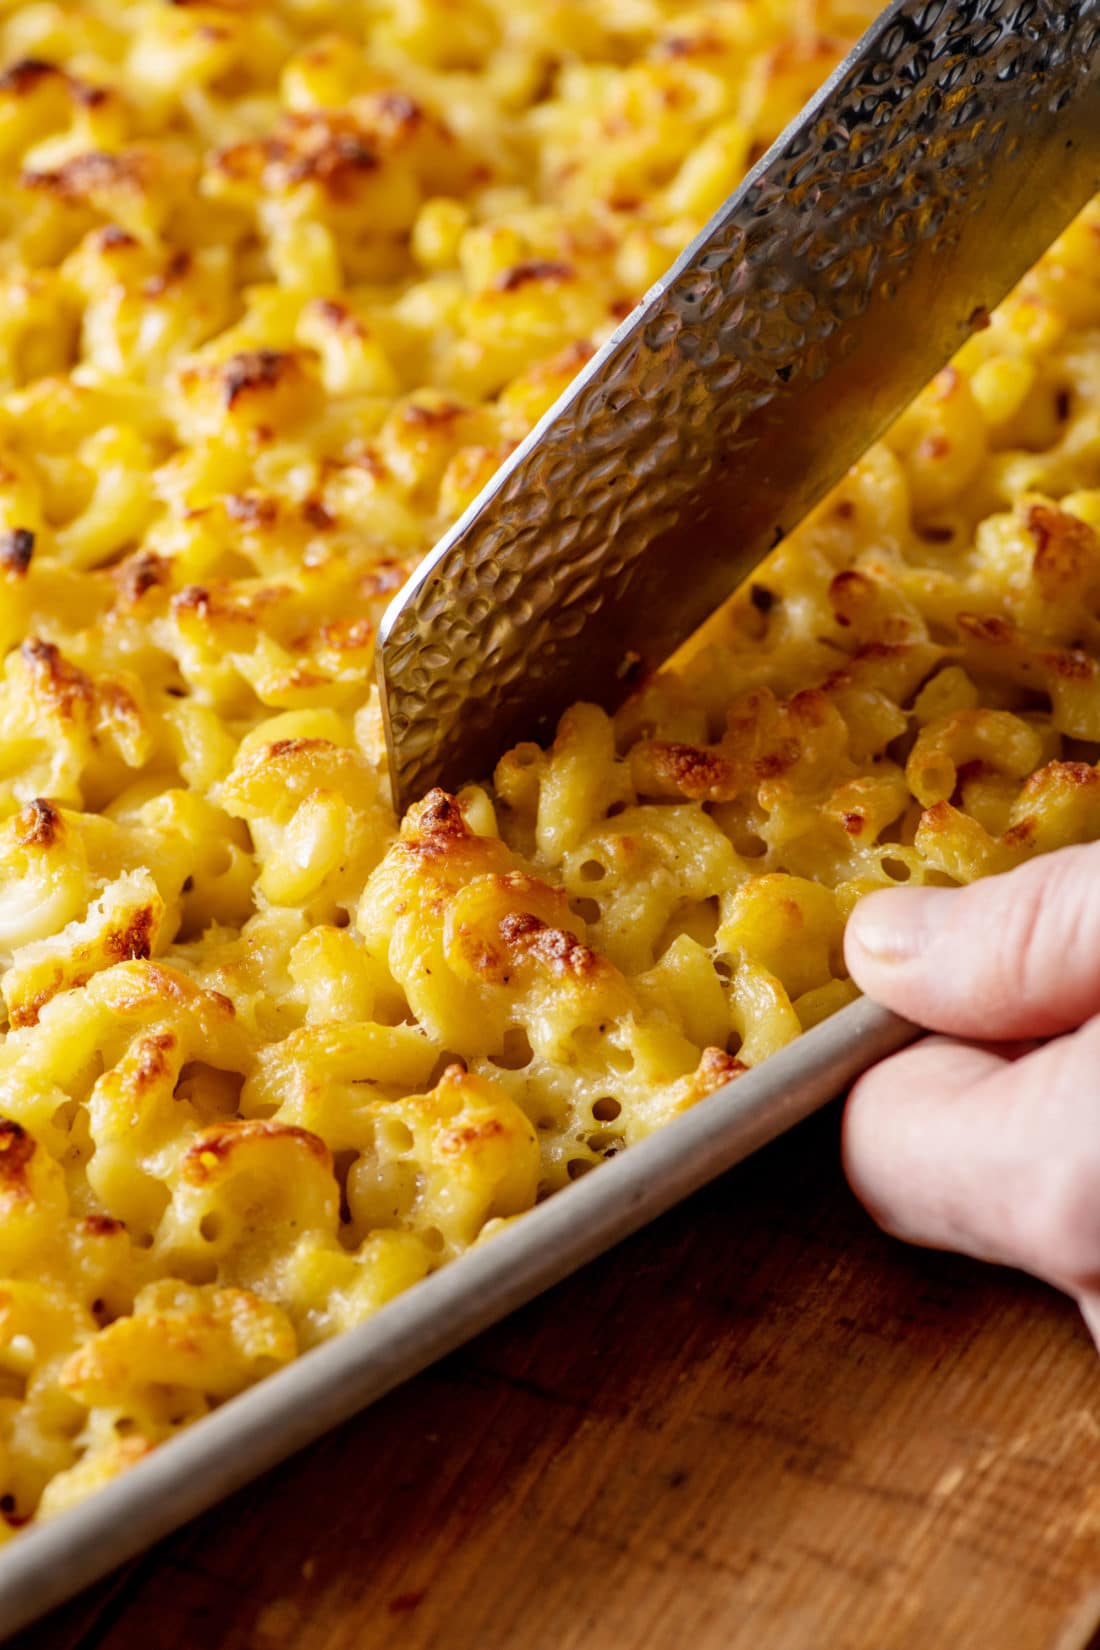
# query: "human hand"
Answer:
x=991 y=1146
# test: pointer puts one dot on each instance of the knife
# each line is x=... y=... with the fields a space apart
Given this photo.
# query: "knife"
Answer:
x=939 y=160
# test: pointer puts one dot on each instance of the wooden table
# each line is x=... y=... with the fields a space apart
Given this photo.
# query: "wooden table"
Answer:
x=759 y=1425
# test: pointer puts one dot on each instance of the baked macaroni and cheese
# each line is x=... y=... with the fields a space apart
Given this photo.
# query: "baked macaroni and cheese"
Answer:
x=282 y=283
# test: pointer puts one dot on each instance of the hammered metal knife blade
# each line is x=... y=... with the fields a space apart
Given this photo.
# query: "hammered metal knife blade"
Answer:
x=935 y=165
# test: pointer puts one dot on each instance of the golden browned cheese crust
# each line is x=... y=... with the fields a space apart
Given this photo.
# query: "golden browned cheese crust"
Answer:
x=282 y=283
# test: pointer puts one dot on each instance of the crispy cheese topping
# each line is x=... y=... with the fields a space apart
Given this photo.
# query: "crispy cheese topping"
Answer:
x=281 y=286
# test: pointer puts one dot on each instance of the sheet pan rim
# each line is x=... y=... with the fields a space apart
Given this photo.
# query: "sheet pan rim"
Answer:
x=251 y=1433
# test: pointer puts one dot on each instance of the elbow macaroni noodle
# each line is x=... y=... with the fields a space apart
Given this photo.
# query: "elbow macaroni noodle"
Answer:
x=281 y=285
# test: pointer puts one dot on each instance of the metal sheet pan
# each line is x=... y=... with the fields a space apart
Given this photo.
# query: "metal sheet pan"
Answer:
x=250 y=1433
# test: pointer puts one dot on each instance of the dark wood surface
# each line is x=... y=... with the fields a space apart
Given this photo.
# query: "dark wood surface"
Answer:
x=759 y=1425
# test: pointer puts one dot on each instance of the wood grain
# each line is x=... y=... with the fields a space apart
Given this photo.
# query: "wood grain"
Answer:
x=759 y=1425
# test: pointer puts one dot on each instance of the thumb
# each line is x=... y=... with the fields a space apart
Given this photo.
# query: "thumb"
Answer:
x=1014 y=956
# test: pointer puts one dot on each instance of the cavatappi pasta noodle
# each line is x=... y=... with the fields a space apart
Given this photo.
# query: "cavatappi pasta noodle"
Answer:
x=280 y=285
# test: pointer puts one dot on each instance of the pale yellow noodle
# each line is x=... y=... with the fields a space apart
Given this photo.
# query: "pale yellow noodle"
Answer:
x=280 y=285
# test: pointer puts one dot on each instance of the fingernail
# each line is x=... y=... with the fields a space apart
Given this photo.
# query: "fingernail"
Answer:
x=898 y=925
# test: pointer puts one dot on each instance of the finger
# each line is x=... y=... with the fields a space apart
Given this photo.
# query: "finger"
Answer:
x=958 y=1148
x=904 y=1140
x=1013 y=956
